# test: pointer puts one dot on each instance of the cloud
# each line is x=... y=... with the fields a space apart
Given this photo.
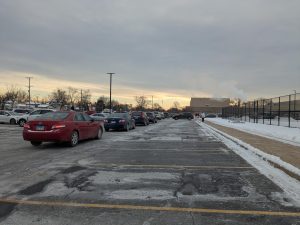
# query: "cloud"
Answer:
x=186 y=48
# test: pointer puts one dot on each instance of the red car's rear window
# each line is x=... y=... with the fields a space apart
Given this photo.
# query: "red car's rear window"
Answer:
x=54 y=116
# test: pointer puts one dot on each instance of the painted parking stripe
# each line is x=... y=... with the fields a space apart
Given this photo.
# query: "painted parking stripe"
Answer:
x=169 y=166
x=147 y=208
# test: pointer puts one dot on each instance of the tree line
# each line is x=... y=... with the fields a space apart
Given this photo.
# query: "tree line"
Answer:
x=78 y=98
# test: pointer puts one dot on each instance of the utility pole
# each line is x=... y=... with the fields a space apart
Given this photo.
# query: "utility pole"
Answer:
x=152 y=102
x=29 y=89
x=295 y=103
x=110 y=83
x=81 y=100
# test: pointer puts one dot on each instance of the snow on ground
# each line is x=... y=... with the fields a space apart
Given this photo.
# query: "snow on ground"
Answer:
x=283 y=134
x=260 y=161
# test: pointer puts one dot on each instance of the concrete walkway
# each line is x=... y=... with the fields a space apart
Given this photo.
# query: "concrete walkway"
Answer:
x=288 y=153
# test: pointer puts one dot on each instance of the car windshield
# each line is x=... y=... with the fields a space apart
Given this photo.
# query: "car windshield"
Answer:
x=14 y=113
x=53 y=116
x=117 y=115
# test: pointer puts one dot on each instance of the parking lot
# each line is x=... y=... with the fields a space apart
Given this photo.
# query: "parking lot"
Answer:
x=173 y=172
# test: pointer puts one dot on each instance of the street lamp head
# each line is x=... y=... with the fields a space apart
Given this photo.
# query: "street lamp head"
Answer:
x=110 y=73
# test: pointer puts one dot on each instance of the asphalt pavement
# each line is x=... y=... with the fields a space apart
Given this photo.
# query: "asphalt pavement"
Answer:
x=173 y=172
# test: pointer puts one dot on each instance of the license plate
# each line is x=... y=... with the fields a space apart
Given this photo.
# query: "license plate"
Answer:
x=40 y=127
x=113 y=122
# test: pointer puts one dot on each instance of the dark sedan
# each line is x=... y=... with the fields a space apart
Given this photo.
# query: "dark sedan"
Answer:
x=119 y=121
x=140 y=118
x=68 y=127
x=151 y=117
x=184 y=115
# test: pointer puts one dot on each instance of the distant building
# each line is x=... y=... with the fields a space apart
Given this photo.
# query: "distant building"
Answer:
x=208 y=105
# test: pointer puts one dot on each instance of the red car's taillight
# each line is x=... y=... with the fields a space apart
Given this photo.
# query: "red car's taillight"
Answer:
x=58 y=126
x=26 y=126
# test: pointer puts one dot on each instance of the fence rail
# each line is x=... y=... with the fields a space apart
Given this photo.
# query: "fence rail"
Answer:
x=280 y=111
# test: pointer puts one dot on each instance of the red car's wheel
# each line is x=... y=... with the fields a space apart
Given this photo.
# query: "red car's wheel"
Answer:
x=99 y=134
x=74 y=139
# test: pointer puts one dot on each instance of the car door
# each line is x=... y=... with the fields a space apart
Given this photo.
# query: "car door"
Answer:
x=2 y=117
x=91 y=126
x=80 y=125
x=7 y=117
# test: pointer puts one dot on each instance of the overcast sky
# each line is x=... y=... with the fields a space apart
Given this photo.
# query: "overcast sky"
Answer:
x=165 y=48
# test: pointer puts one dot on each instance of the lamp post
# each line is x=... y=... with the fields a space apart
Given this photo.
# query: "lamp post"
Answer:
x=110 y=108
x=295 y=103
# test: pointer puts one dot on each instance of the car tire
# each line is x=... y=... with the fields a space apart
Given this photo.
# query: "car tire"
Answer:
x=189 y=118
x=107 y=129
x=36 y=143
x=12 y=121
x=22 y=122
x=99 y=134
x=74 y=139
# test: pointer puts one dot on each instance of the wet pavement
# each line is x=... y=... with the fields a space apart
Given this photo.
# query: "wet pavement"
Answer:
x=174 y=172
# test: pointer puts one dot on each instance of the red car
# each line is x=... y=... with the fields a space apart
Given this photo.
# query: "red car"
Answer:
x=62 y=126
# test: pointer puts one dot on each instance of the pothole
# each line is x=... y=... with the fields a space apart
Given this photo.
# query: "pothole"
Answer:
x=35 y=188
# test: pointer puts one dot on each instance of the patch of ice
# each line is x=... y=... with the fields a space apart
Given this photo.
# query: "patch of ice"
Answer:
x=166 y=138
x=112 y=177
x=140 y=194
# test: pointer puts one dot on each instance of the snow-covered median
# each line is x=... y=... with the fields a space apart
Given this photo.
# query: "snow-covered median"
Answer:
x=261 y=161
x=283 y=134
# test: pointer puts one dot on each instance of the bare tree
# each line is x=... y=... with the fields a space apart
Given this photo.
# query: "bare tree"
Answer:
x=2 y=100
x=73 y=95
x=85 y=99
x=157 y=107
x=141 y=102
x=22 y=96
x=176 y=105
x=60 y=97
x=104 y=99
x=12 y=94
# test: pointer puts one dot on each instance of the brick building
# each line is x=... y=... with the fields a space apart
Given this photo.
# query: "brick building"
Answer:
x=208 y=105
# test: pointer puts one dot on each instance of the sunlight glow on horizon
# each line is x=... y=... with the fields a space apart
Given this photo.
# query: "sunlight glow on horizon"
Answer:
x=42 y=86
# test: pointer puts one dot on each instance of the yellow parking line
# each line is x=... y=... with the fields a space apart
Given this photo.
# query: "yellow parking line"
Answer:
x=149 y=208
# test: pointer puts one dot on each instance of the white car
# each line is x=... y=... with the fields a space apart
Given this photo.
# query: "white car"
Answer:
x=98 y=116
x=9 y=117
x=157 y=115
x=33 y=115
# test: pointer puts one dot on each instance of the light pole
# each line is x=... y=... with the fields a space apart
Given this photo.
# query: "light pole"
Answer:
x=110 y=108
x=295 y=103
x=29 y=89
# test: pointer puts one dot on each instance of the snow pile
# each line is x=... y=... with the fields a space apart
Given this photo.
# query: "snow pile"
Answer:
x=283 y=134
x=260 y=161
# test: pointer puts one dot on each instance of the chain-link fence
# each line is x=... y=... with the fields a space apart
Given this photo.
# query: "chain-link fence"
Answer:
x=280 y=111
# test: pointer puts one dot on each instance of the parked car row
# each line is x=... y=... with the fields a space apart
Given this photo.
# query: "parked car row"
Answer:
x=71 y=126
